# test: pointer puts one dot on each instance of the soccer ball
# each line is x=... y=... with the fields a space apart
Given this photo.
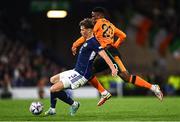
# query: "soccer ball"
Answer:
x=36 y=108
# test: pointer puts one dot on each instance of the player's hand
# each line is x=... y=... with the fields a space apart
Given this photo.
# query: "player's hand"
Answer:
x=114 y=71
x=74 y=50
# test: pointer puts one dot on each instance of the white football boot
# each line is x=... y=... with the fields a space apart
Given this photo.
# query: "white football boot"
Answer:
x=104 y=98
x=74 y=107
x=50 y=111
x=157 y=92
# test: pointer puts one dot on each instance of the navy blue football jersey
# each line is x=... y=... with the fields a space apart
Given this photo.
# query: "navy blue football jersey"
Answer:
x=86 y=56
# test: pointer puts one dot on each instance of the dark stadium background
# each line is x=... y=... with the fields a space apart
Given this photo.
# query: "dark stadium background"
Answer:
x=44 y=44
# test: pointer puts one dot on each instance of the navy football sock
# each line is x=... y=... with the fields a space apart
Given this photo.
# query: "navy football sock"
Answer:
x=62 y=95
x=53 y=99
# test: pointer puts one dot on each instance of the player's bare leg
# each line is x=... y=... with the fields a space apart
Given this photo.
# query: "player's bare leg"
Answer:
x=57 y=86
x=54 y=79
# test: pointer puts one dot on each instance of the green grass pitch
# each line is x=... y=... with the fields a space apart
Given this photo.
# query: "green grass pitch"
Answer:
x=115 y=109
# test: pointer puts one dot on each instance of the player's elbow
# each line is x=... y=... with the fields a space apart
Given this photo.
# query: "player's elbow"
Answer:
x=124 y=37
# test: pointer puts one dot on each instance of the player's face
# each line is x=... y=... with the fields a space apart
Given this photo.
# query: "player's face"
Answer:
x=84 y=32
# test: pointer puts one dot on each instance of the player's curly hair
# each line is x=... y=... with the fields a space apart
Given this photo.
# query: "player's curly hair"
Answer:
x=87 y=23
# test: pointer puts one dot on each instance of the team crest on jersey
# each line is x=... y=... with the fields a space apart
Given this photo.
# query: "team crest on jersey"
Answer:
x=100 y=47
x=85 y=45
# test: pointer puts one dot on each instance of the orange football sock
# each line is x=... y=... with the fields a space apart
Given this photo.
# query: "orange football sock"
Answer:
x=94 y=82
x=138 y=81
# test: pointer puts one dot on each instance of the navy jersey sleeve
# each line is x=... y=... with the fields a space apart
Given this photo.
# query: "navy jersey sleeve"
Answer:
x=96 y=46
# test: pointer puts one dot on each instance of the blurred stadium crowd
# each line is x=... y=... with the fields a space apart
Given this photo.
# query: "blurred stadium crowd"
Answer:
x=157 y=23
x=22 y=60
x=151 y=25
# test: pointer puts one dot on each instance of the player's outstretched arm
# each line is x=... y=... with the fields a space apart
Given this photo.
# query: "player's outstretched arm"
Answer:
x=76 y=44
x=103 y=54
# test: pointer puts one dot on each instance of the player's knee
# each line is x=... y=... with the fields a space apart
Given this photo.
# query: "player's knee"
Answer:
x=53 y=79
x=52 y=89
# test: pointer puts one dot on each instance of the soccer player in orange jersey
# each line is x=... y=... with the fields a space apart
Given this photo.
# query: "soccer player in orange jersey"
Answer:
x=105 y=32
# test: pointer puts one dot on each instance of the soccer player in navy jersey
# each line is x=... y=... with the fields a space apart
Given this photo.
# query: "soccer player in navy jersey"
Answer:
x=83 y=69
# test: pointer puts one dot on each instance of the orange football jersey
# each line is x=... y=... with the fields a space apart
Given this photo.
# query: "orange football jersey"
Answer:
x=104 y=32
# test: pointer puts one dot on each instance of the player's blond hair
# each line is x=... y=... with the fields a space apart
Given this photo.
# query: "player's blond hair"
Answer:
x=87 y=23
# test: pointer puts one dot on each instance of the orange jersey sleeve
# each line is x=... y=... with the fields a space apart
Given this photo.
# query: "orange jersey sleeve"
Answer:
x=121 y=36
x=104 y=32
x=79 y=42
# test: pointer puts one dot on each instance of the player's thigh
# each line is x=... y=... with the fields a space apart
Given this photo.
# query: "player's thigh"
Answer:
x=115 y=57
x=120 y=64
x=65 y=78
x=58 y=86
x=100 y=65
x=72 y=79
x=113 y=51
